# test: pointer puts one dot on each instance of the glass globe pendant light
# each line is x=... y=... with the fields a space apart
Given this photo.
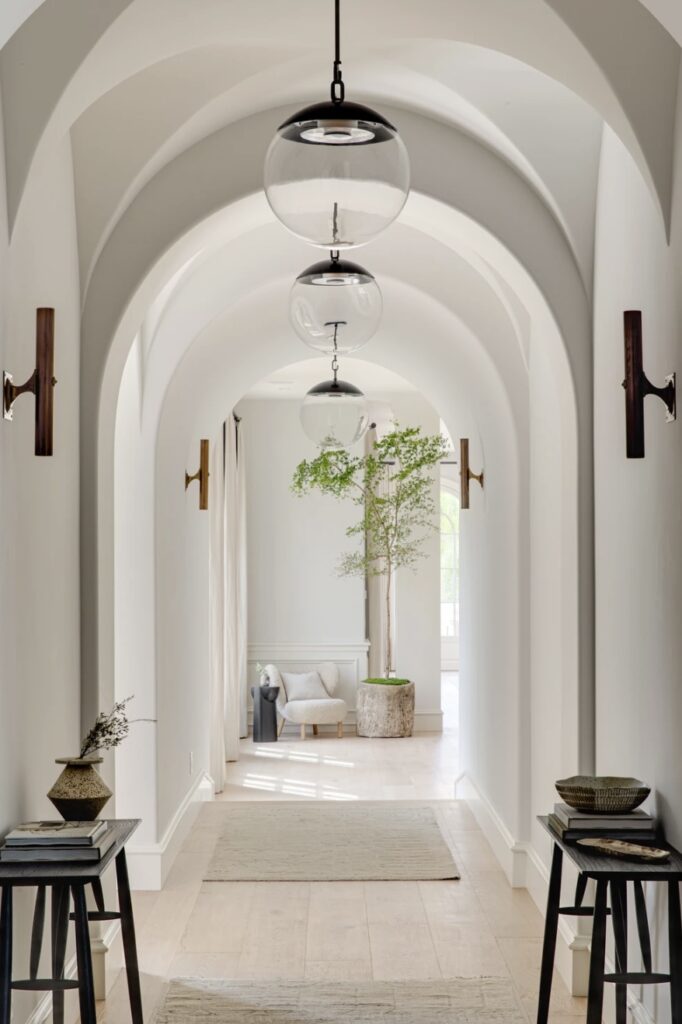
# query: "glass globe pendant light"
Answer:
x=337 y=173
x=334 y=414
x=335 y=306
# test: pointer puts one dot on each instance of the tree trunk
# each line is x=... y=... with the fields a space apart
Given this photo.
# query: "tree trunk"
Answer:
x=389 y=652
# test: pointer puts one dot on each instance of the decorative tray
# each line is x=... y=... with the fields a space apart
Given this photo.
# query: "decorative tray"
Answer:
x=629 y=851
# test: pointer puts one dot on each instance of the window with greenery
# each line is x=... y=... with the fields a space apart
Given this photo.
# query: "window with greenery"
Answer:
x=449 y=564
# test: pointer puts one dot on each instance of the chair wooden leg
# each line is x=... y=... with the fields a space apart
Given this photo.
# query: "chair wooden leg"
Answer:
x=303 y=732
x=280 y=727
x=314 y=730
x=339 y=730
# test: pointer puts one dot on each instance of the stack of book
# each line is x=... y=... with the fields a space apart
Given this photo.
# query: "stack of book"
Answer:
x=68 y=841
x=630 y=825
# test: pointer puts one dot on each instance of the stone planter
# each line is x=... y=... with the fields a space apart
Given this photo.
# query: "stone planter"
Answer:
x=80 y=792
x=385 y=710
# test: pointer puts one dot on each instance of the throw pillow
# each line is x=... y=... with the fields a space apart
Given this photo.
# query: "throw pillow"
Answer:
x=304 y=686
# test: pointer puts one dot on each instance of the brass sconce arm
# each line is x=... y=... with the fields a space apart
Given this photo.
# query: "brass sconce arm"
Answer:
x=40 y=384
x=201 y=475
x=637 y=386
x=465 y=473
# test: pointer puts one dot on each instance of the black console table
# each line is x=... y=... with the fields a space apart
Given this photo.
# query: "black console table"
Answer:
x=612 y=875
x=66 y=879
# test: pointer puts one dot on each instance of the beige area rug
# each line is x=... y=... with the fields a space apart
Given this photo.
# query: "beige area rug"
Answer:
x=330 y=842
x=464 y=1001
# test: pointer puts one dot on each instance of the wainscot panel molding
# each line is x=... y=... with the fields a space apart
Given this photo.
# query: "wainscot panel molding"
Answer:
x=301 y=656
x=352 y=657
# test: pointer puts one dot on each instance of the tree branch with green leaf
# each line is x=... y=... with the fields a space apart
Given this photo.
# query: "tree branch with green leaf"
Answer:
x=392 y=485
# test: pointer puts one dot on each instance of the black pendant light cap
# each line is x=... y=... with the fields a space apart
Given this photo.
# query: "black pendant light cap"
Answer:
x=378 y=128
x=336 y=389
x=345 y=268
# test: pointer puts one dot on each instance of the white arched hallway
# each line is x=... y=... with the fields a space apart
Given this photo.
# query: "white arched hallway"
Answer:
x=544 y=138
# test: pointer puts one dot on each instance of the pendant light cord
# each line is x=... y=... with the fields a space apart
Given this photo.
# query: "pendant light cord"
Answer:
x=338 y=90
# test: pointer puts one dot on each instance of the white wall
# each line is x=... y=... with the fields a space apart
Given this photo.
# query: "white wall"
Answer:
x=297 y=601
x=134 y=619
x=40 y=674
x=638 y=520
x=294 y=544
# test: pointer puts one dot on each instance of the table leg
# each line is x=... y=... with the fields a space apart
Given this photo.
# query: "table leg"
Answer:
x=37 y=932
x=675 y=951
x=60 y=906
x=595 y=997
x=619 y=911
x=549 y=942
x=6 y=955
x=86 y=987
x=125 y=907
x=643 y=926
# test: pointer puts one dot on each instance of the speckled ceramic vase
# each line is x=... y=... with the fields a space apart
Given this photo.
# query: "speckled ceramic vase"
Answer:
x=80 y=792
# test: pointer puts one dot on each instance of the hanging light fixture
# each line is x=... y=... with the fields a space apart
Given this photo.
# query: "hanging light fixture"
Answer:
x=334 y=414
x=335 y=306
x=337 y=173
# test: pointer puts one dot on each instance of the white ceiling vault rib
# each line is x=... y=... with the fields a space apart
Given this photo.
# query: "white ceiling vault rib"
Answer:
x=126 y=138
x=55 y=41
x=88 y=50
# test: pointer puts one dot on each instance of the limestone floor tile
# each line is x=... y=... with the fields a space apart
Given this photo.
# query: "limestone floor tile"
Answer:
x=563 y=1006
x=188 y=870
x=392 y=901
x=274 y=943
x=454 y=899
x=400 y=938
x=337 y=930
x=474 y=851
x=423 y=967
x=116 y=1008
x=523 y=959
x=162 y=932
x=204 y=965
x=472 y=961
x=338 y=970
x=143 y=904
x=337 y=922
x=510 y=912
x=219 y=919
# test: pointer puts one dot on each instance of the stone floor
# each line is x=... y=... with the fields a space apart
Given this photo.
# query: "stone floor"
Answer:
x=342 y=930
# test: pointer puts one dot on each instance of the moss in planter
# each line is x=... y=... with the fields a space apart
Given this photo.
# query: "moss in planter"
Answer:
x=381 y=681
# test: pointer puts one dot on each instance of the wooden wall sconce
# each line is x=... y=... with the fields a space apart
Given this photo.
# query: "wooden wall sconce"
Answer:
x=637 y=386
x=201 y=475
x=40 y=384
x=465 y=474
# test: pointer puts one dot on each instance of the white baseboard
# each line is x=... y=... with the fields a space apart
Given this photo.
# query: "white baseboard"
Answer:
x=149 y=863
x=424 y=721
x=526 y=870
x=510 y=853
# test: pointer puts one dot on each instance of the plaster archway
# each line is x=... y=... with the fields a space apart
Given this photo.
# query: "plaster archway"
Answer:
x=146 y=232
x=504 y=333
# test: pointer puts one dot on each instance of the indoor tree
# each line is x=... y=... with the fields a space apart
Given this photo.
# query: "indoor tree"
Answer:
x=392 y=485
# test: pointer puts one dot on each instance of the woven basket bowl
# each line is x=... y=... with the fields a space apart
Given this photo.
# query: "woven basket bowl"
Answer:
x=602 y=794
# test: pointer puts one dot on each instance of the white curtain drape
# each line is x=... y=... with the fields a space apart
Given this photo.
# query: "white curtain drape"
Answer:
x=376 y=599
x=227 y=598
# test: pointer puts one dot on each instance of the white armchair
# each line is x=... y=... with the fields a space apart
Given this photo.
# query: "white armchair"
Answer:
x=307 y=698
